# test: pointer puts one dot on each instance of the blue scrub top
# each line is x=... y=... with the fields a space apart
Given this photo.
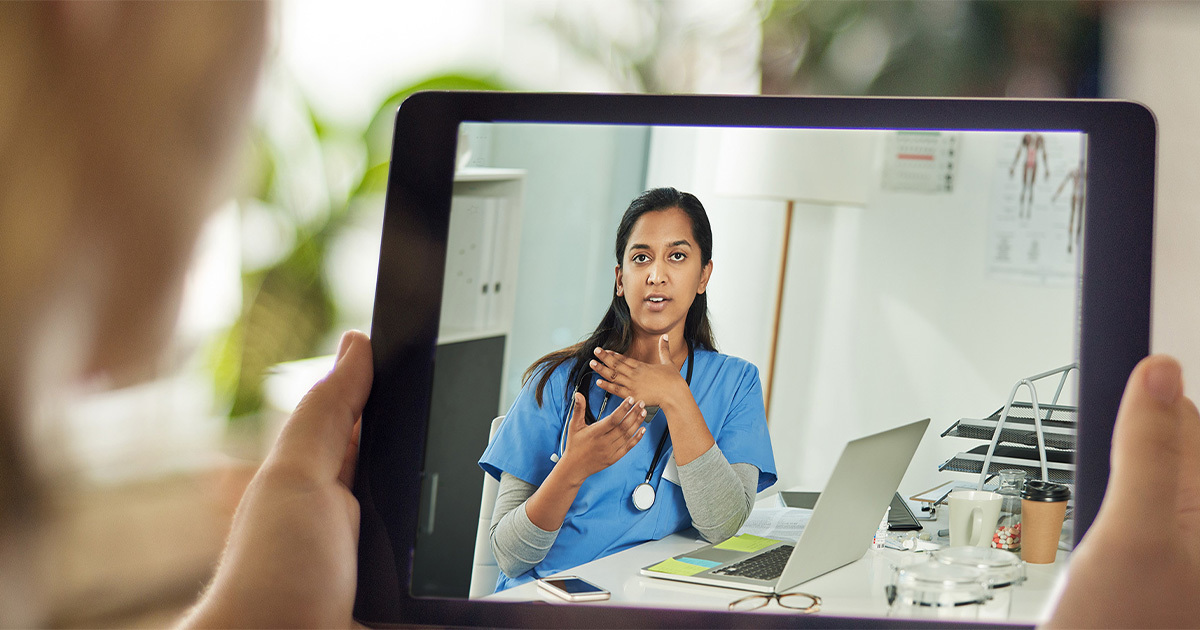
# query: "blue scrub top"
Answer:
x=603 y=520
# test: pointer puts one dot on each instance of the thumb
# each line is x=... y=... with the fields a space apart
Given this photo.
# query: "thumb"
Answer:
x=1146 y=446
x=664 y=350
x=321 y=429
x=578 y=404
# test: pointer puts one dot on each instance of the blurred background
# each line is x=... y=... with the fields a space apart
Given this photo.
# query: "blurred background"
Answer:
x=154 y=470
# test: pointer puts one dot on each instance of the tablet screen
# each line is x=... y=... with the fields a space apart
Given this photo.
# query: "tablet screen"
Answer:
x=924 y=273
x=871 y=277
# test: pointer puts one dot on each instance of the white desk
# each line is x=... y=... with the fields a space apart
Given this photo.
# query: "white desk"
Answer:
x=856 y=589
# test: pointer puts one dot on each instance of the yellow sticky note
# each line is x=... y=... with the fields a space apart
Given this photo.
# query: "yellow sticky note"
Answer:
x=675 y=567
x=746 y=542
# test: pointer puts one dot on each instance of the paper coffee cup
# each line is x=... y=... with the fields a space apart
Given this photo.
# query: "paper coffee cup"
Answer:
x=1043 y=510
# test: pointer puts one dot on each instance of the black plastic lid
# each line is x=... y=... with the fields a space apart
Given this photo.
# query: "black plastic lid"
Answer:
x=1038 y=490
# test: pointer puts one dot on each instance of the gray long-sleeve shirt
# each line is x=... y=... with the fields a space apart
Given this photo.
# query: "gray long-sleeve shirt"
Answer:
x=718 y=495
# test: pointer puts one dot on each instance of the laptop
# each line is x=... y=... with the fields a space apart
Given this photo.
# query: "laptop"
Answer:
x=900 y=516
x=839 y=532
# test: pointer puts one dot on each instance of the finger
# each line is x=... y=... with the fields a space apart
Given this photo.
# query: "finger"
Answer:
x=578 y=405
x=318 y=434
x=634 y=439
x=634 y=418
x=601 y=369
x=613 y=420
x=631 y=427
x=664 y=350
x=1145 y=449
x=346 y=476
x=626 y=424
x=627 y=444
x=622 y=424
x=609 y=365
x=612 y=388
x=615 y=360
x=1188 y=501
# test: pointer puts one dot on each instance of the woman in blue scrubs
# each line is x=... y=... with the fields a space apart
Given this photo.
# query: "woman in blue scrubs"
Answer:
x=642 y=429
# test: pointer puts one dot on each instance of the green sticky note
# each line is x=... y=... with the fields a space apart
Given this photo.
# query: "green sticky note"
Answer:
x=675 y=567
x=746 y=542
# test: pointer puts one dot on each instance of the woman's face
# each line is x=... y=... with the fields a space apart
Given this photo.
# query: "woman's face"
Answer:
x=660 y=272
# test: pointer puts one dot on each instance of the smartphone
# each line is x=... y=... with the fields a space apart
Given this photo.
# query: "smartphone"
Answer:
x=572 y=589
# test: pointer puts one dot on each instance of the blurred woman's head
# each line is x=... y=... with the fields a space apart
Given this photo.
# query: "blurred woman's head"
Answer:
x=117 y=121
x=116 y=124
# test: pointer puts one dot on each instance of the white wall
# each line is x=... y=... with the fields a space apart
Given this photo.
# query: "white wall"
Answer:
x=890 y=314
x=1150 y=53
x=747 y=240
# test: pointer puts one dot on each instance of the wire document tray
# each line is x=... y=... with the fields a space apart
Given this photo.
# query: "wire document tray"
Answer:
x=1029 y=435
x=1058 y=431
x=1059 y=464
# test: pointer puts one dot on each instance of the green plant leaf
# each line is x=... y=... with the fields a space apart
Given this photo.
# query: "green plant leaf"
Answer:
x=378 y=135
x=288 y=309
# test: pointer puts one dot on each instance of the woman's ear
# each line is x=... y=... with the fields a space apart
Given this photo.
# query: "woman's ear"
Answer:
x=620 y=285
x=705 y=274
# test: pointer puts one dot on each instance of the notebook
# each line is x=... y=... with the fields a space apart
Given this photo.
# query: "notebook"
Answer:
x=839 y=532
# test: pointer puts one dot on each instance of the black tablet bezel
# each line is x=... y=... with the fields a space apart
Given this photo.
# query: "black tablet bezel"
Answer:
x=1114 y=301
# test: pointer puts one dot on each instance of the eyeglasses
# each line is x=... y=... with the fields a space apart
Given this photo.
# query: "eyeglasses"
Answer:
x=802 y=602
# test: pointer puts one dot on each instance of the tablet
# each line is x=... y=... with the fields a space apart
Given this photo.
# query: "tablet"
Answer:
x=877 y=260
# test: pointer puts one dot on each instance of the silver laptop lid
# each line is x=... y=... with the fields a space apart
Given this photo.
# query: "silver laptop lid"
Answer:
x=853 y=502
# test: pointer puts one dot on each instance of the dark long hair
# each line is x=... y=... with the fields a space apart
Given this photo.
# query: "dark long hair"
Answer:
x=615 y=331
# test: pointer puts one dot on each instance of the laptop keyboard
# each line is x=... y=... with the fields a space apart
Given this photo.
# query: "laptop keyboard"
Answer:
x=764 y=566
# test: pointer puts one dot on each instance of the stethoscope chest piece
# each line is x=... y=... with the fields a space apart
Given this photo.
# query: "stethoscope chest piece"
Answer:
x=643 y=496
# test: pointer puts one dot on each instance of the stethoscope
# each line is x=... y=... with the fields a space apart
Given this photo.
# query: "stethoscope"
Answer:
x=644 y=494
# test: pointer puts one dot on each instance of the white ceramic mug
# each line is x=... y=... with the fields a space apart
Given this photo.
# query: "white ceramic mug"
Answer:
x=973 y=517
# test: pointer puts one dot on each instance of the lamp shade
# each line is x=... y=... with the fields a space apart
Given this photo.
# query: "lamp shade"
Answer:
x=821 y=166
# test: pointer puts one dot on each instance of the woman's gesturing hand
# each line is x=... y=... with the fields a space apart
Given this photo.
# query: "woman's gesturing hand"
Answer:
x=656 y=384
x=591 y=449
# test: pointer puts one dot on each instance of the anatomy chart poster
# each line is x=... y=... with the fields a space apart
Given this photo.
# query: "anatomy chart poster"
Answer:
x=1037 y=208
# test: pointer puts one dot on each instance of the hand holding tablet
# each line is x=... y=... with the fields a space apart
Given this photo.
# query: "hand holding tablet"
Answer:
x=290 y=557
x=1139 y=564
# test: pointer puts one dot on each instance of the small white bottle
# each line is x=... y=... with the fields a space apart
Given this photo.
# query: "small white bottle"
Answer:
x=882 y=532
